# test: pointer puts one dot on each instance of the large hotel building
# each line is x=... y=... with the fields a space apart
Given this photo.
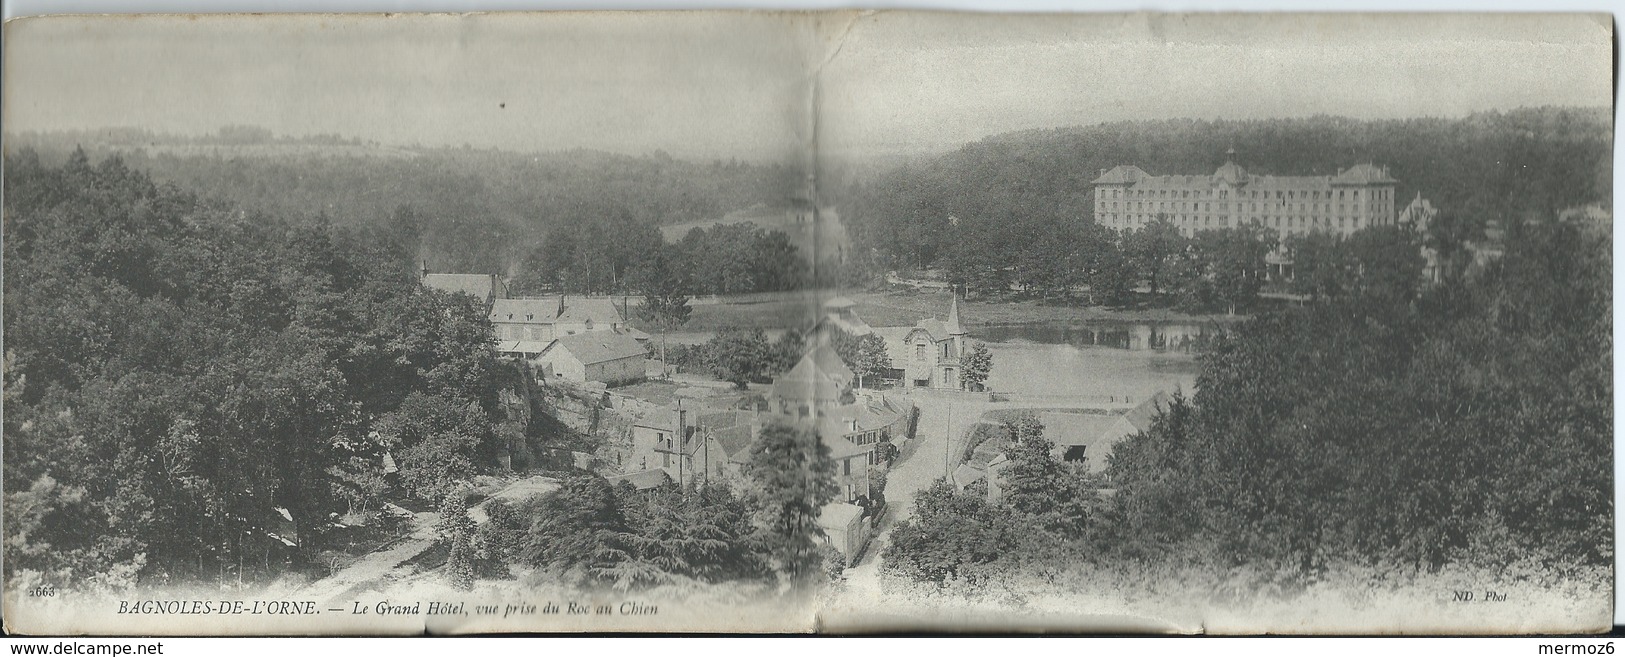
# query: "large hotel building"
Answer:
x=1126 y=197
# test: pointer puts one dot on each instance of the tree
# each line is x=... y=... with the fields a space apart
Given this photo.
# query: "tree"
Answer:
x=665 y=295
x=456 y=530
x=870 y=358
x=1224 y=268
x=704 y=534
x=975 y=365
x=1152 y=249
x=440 y=443
x=579 y=534
x=741 y=356
x=790 y=479
x=952 y=536
x=1042 y=488
x=866 y=355
x=1112 y=278
x=1450 y=234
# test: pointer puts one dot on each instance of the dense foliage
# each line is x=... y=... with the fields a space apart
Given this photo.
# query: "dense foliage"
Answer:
x=1018 y=208
x=467 y=210
x=1382 y=427
x=185 y=380
x=594 y=534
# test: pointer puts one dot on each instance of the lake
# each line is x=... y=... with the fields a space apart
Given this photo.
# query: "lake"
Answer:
x=1183 y=338
x=1108 y=361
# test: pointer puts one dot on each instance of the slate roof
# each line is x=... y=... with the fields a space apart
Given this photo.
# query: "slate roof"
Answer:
x=599 y=346
x=1360 y=174
x=1074 y=429
x=546 y=311
x=1142 y=415
x=936 y=328
x=870 y=416
x=522 y=346
x=531 y=311
x=597 y=311
x=1231 y=172
x=839 y=447
x=643 y=480
x=1122 y=174
x=818 y=376
x=1363 y=174
x=965 y=475
x=732 y=431
x=479 y=286
x=829 y=363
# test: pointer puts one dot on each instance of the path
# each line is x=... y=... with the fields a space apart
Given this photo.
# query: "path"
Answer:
x=941 y=414
x=374 y=566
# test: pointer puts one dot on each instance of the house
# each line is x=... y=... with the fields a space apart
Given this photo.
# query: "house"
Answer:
x=485 y=287
x=818 y=390
x=846 y=527
x=819 y=381
x=927 y=354
x=1092 y=437
x=602 y=356
x=851 y=466
x=547 y=319
x=870 y=421
x=714 y=444
x=837 y=314
x=1081 y=436
x=1128 y=198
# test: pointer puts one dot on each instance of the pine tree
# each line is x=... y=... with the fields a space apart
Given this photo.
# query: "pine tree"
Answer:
x=791 y=479
x=975 y=366
x=457 y=529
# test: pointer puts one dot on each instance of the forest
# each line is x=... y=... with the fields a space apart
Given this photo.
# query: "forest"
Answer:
x=1018 y=208
x=197 y=393
x=1366 y=439
x=470 y=210
x=188 y=383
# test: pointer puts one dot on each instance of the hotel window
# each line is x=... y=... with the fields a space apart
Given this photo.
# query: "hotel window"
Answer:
x=846 y=466
x=919 y=351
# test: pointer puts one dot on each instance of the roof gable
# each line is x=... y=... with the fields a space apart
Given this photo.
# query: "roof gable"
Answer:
x=1075 y=429
x=596 y=311
x=599 y=346
x=529 y=311
x=1142 y=416
x=1122 y=174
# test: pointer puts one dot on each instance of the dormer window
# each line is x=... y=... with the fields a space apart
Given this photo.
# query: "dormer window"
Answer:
x=529 y=316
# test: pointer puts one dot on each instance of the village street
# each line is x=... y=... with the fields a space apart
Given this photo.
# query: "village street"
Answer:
x=941 y=414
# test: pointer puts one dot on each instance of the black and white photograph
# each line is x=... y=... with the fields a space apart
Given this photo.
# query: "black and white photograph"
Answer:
x=821 y=322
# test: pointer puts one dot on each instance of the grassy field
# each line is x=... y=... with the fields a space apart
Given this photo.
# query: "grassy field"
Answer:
x=904 y=308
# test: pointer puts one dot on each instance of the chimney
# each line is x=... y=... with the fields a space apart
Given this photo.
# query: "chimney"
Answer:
x=561 y=306
x=1102 y=173
x=425 y=268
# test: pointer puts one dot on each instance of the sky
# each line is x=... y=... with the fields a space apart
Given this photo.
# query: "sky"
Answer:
x=723 y=85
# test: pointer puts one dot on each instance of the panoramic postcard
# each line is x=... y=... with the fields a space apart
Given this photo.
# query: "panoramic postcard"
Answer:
x=835 y=322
